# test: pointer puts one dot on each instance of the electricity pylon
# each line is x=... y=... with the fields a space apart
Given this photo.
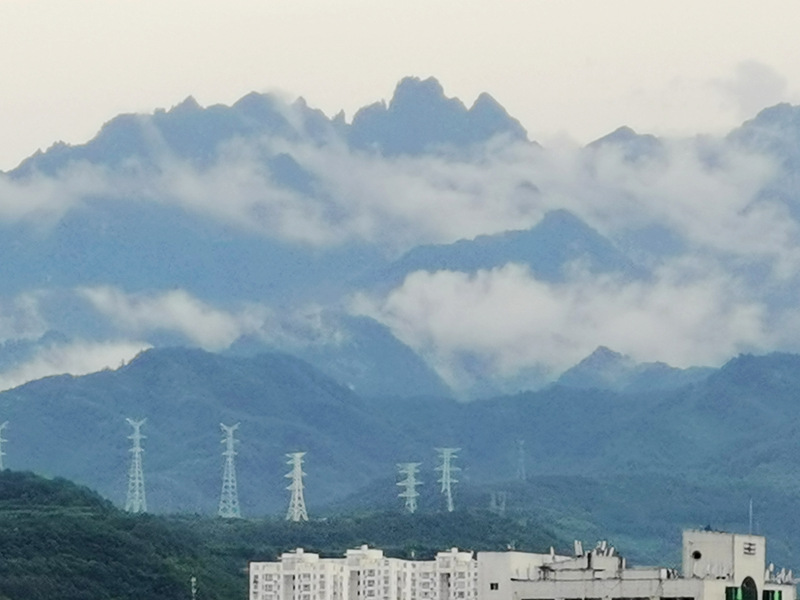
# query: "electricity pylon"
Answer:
x=497 y=503
x=447 y=455
x=297 y=504
x=229 y=498
x=136 y=501
x=2 y=441
x=409 y=485
x=521 y=474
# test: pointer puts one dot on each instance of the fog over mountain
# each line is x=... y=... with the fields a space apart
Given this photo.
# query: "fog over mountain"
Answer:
x=423 y=237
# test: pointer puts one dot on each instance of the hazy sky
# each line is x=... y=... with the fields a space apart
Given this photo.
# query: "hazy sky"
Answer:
x=576 y=68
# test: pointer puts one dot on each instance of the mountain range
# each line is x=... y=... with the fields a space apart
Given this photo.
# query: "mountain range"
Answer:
x=287 y=230
x=620 y=317
x=720 y=438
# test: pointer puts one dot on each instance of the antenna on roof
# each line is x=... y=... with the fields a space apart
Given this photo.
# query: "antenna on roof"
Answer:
x=751 y=517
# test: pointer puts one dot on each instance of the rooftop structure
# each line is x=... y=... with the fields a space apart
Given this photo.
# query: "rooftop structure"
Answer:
x=715 y=566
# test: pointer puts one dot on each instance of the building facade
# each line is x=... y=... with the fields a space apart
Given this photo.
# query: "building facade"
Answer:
x=715 y=566
x=365 y=574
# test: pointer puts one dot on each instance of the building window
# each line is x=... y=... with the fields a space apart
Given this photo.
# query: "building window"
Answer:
x=494 y=586
x=733 y=593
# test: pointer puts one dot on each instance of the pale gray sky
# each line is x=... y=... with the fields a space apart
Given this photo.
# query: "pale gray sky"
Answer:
x=565 y=68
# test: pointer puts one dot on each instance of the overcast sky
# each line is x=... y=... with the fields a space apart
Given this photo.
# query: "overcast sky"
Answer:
x=565 y=68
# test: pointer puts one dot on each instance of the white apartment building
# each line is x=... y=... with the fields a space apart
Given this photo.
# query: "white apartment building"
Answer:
x=715 y=566
x=365 y=574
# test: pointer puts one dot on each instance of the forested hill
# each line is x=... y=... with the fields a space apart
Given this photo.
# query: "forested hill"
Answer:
x=59 y=540
x=285 y=405
x=62 y=541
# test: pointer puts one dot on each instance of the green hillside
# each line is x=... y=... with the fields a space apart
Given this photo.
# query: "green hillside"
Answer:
x=60 y=540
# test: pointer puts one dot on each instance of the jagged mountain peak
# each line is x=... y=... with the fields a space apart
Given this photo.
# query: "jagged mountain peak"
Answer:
x=635 y=146
x=603 y=355
x=413 y=91
x=420 y=118
x=189 y=104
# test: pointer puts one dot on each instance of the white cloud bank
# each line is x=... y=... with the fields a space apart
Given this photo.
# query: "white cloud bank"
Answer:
x=514 y=321
x=20 y=318
x=74 y=358
x=174 y=311
x=699 y=307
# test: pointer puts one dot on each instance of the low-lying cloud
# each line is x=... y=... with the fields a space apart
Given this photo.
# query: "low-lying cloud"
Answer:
x=515 y=321
x=752 y=86
x=704 y=190
x=74 y=358
x=20 y=318
x=174 y=311
x=708 y=300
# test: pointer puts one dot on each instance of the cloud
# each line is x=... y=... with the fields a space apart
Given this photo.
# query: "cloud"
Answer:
x=706 y=191
x=686 y=316
x=20 y=318
x=752 y=87
x=74 y=358
x=174 y=311
x=712 y=298
x=43 y=200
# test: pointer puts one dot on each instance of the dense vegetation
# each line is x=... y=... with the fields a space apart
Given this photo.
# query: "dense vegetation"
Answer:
x=59 y=540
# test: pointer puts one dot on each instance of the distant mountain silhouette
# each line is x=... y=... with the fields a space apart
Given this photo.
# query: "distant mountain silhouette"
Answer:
x=548 y=248
x=286 y=405
x=420 y=118
x=186 y=131
x=609 y=370
x=364 y=357
x=633 y=146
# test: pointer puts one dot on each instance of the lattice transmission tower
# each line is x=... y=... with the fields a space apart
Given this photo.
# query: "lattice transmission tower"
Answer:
x=297 y=504
x=136 y=502
x=521 y=473
x=497 y=503
x=447 y=455
x=2 y=441
x=409 y=485
x=229 y=498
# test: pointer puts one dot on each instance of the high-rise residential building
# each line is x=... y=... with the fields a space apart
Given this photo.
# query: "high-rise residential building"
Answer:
x=365 y=574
